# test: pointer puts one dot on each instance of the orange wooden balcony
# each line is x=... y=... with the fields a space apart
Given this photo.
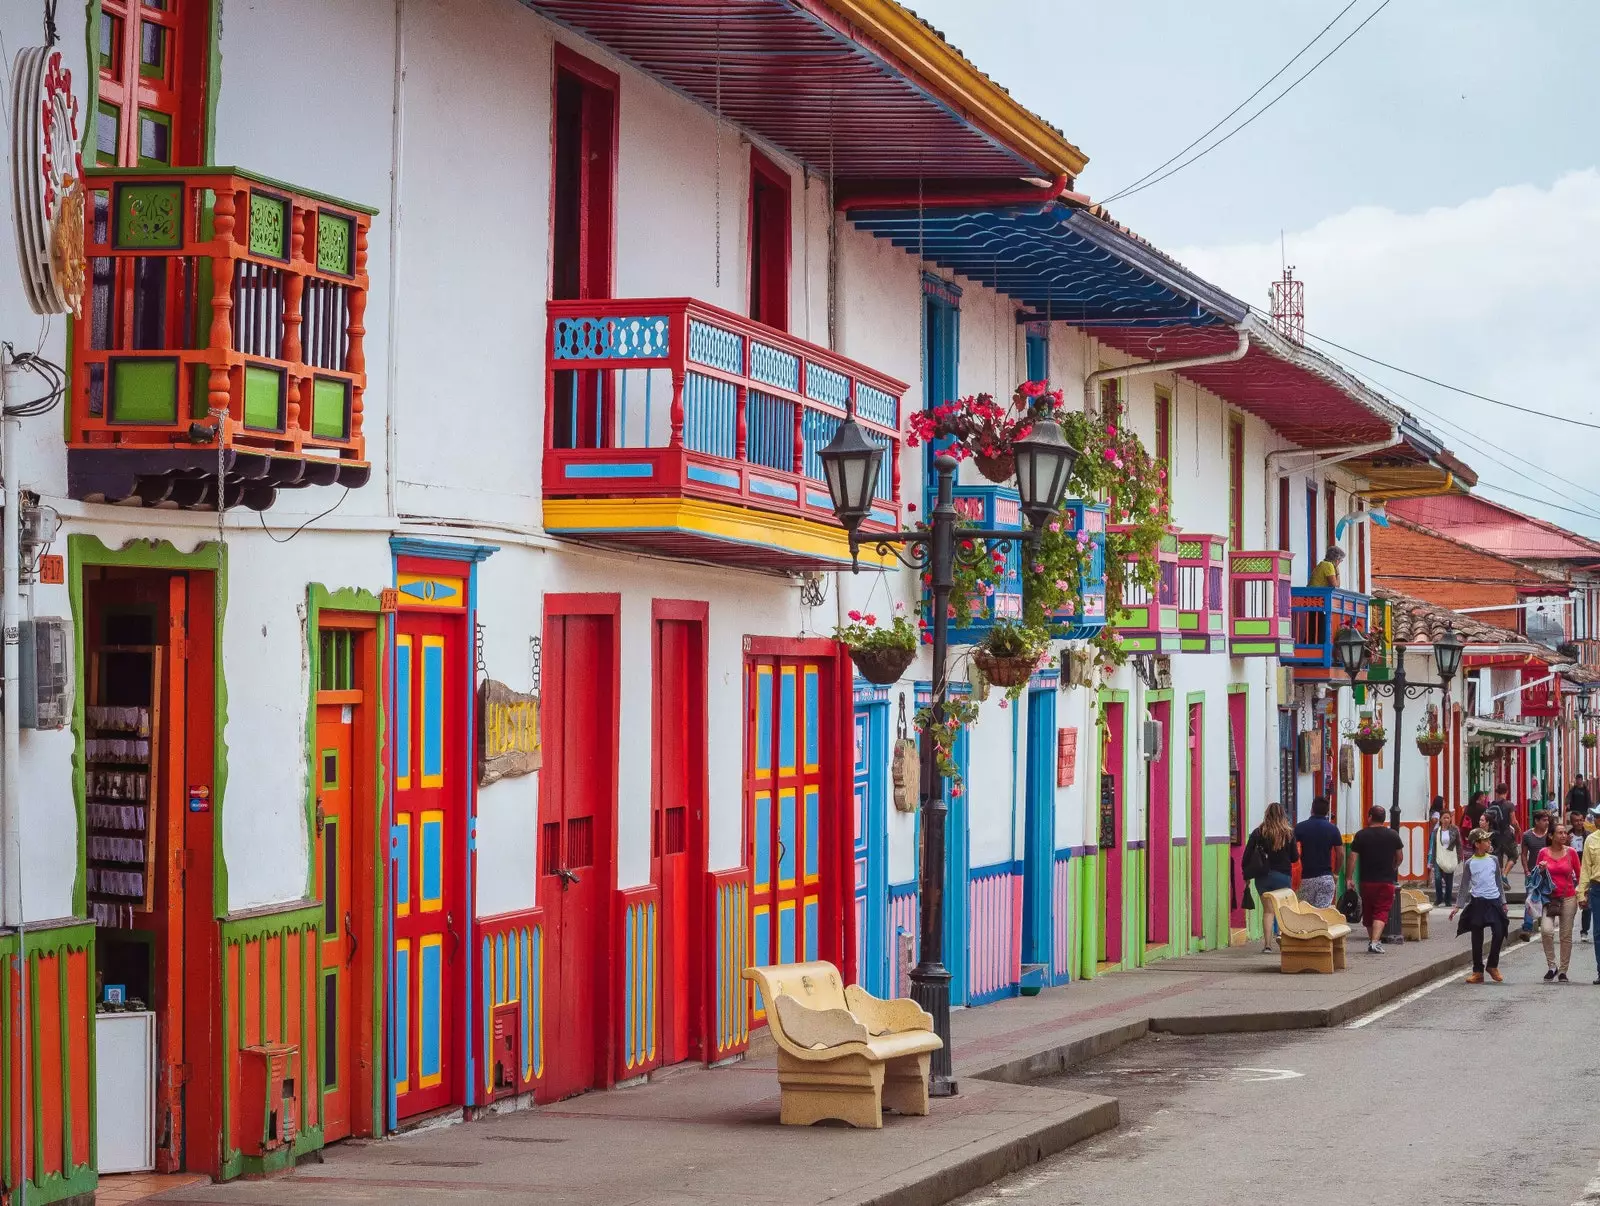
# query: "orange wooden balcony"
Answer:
x=676 y=427
x=225 y=309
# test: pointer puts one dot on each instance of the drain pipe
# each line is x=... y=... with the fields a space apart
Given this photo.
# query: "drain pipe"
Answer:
x=1091 y=383
x=1334 y=456
x=10 y=613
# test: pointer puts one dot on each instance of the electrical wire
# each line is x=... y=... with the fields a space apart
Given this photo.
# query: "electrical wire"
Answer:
x=306 y=524
x=54 y=377
x=1456 y=389
x=1247 y=122
x=1229 y=114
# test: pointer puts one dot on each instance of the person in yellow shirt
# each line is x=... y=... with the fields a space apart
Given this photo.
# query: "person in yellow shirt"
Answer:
x=1589 y=878
x=1326 y=572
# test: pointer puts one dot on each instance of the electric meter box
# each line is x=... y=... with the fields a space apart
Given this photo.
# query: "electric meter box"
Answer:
x=44 y=686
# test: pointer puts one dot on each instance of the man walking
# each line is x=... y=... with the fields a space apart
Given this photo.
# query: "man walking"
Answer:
x=1589 y=878
x=1533 y=841
x=1317 y=838
x=1375 y=854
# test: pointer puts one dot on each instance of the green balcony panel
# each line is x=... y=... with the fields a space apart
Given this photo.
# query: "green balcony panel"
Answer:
x=263 y=398
x=330 y=408
x=144 y=391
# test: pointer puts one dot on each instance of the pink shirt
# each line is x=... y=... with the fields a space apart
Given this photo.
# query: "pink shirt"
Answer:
x=1563 y=868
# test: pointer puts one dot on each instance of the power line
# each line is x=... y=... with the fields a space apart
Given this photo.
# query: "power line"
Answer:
x=1540 y=501
x=1477 y=444
x=1456 y=388
x=1224 y=119
x=1247 y=122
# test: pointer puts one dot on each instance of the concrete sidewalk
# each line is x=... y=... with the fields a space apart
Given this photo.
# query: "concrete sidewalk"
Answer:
x=711 y=1135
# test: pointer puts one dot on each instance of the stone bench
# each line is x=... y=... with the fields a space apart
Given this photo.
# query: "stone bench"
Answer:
x=842 y=1052
x=1414 y=909
x=1310 y=939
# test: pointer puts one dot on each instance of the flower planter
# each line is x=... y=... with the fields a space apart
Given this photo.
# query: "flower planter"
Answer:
x=1370 y=745
x=882 y=666
x=1005 y=671
x=999 y=469
x=1431 y=747
x=1589 y=741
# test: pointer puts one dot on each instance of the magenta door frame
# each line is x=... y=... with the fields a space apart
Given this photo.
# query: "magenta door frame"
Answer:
x=1111 y=856
x=1158 y=835
x=1197 y=820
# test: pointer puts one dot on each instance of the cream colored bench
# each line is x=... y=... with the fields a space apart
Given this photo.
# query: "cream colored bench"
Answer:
x=1271 y=902
x=1414 y=909
x=1310 y=939
x=842 y=1052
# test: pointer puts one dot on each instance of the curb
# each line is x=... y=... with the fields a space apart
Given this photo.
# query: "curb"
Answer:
x=1015 y=1153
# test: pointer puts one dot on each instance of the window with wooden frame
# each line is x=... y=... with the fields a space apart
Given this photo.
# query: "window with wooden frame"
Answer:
x=1330 y=511
x=152 y=72
x=1036 y=345
x=1111 y=402
x=1235 y=483
x=1283 y=515
x=770 y=219
x=583 y=177
x=1164 y=441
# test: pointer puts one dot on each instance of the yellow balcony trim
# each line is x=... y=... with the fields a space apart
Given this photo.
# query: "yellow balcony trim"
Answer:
x=716 y=521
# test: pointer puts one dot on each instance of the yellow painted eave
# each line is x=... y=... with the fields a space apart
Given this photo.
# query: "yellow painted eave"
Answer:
x=960 y=84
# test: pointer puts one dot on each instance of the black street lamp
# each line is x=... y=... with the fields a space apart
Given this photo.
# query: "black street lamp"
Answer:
x=1350 y=645
x=850 y=463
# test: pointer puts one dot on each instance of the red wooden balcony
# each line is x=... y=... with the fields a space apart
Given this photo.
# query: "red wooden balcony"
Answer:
x=222 y=307
x=676 y=427
x=1260 y=622
x=1202 y=615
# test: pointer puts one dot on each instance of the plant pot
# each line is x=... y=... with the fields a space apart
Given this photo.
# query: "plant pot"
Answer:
x=1590 y=741
x=999 y=469
x=1371 y=745
x=1430 y=747
x=1005 y=671
x=882 y=666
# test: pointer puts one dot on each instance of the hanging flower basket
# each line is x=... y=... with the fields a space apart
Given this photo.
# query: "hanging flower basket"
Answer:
x=883 y=665
x=1005 y=671
x=1590 y=740
x=1430 y=745
x=1370 y=743
x=999 y=469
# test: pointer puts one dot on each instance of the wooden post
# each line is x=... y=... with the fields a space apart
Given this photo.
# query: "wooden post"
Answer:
x=675 y=438
x=741 y=429
x=800 y=438
x=220 y=343
x=293 y=290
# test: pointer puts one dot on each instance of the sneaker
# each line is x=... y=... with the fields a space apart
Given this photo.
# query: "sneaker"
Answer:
x=1550 y=975
x=1477 y=978
x=1561 y=978
x=1494 y=974
x=1583 y=937
x=1374 y=948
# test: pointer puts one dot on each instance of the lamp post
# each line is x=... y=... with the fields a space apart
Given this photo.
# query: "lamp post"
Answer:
x=850 y=463
x=1351 y=646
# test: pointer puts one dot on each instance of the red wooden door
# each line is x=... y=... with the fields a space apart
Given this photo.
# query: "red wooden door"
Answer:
x=333 y=771
x=1197 y=820
x=678 y=829
x=1111 y=766
x=576 y=810
x=1158 y=834
x=792 y=793
x=430 y=897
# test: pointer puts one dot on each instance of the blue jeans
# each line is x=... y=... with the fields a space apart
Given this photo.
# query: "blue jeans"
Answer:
x=1444 y=887
x=1594 y=911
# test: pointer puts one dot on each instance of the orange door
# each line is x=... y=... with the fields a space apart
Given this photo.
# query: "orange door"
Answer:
x=335 y=823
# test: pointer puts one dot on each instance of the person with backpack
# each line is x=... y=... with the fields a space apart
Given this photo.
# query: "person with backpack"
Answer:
x=1268 y=861
x=1533 y=842
x=1444 y=852
x=1481 y=904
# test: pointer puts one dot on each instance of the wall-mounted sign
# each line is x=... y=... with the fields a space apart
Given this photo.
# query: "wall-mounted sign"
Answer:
x=47 y=192
x=508 y=733
x=1108 y=812
x=1066 y=757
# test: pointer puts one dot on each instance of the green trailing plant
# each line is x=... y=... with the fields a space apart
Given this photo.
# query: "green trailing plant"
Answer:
x=974 y=578
x=959 y=712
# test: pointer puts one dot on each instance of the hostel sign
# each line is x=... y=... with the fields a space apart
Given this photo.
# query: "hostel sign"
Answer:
x=508 y=733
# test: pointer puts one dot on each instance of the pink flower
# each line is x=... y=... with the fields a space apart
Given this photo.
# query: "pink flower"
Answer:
x=1032 y=389
x=955 y=793
x=1111 y=455
x=1111 y=431
x=1038 y=567
x=1055 y=525
x=1063 y=584
x=855 y=615
x=1002 y=703
x=870 y=619
x=1161 y=474
x=899 y=607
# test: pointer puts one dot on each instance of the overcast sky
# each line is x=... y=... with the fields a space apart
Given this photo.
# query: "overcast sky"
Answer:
x=1436 y=184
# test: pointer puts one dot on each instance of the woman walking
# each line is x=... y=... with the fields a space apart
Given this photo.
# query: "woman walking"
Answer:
x=1563 y=864
x=1444 y=853
x=1485 y=908
x=1269 y=860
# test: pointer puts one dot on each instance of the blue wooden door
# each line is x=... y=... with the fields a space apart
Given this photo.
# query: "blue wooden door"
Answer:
x=870 y=809
x=1038 y=859
x=956 y=868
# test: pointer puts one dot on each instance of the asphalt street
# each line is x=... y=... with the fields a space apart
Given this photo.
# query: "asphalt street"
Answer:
x=1472 y=1095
